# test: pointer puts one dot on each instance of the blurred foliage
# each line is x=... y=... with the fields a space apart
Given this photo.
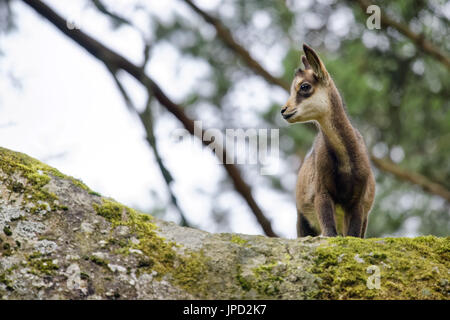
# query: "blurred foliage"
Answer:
x=396 y=95
x=6 y=16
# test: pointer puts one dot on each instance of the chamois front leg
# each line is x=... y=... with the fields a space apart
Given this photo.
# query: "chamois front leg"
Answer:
x=355 y=222
x=324 y=206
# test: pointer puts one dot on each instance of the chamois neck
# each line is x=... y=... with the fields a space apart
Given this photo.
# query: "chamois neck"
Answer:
x=338 y=132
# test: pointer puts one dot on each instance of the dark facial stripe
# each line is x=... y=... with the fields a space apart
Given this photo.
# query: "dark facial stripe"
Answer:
x=305 y=76
x=300 y=96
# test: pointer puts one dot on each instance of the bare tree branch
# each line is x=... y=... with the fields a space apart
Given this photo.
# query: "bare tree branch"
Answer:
x=118 y=20
x=116 y=61
x=392 y=168
x=418 y=39
x=418 y=179
x=229 y=40
x=147 y=120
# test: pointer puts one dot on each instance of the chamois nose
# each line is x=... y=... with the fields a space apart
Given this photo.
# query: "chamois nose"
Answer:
x=283 y=109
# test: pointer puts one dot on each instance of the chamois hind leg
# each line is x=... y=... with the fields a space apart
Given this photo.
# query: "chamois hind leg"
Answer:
x=304 y=229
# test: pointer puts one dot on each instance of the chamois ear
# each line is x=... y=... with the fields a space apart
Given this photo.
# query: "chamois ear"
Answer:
x=316 y=64
x=306 y=63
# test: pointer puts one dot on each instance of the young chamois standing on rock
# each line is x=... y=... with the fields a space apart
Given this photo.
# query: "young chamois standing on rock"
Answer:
x=335 y=186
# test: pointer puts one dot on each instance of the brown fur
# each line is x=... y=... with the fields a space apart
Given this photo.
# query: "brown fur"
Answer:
x=337 y=172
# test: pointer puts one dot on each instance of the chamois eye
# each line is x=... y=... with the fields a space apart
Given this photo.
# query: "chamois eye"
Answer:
x=305 y=87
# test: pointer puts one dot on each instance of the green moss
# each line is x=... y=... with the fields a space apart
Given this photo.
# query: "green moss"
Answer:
x=267 y=278
x=5 y=280
x=84 y=276
x=36 y=174
x=243 y=282
x=186 y=270
x=99 y=261
x=39 y=265
x=17 y=187
x=7 y=250
x=121 y=243
x=238 y=240
x=7 y=231
x=35 y=255
x=145 y=263
x=410 y=268
x=110 y=210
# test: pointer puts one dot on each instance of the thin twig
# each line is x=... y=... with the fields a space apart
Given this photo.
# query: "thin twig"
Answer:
x=229 y=40
x=417 y=179
x=118 y=20
x=146 y=119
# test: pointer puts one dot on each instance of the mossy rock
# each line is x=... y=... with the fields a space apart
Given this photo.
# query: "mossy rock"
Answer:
x=61 y=240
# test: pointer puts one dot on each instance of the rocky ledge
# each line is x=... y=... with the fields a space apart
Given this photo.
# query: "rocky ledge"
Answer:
x=61 y=240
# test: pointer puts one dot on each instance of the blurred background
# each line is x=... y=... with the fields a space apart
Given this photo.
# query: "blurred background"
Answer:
x=228 y=63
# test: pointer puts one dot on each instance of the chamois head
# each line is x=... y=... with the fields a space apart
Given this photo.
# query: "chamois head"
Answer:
x=309 y=99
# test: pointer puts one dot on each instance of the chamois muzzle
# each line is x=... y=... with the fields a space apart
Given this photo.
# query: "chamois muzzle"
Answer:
x=286 y=116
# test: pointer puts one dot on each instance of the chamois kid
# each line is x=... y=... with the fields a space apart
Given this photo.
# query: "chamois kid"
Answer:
x=335 y=186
